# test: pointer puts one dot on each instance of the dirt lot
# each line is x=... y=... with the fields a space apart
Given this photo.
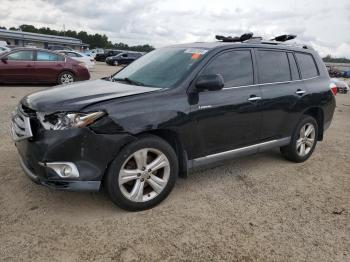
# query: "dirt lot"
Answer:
x=258 y=208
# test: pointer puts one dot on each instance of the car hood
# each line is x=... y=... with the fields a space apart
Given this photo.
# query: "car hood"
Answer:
x=81 y=94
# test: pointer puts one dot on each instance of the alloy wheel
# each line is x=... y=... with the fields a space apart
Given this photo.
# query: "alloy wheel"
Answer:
x=306 y=139
x=144 y=175
x=67 y=78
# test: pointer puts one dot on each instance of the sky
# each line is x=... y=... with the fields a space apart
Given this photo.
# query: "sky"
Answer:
x=323 y=24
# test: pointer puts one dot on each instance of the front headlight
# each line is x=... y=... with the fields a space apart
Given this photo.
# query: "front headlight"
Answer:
x=61 y=121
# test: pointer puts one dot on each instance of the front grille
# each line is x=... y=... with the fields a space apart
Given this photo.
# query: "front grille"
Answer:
x=20 y=126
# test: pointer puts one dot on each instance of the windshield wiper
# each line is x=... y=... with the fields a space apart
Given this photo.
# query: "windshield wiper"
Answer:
x=130 y=81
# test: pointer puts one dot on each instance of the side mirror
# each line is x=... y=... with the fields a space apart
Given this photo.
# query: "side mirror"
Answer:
x=210 y=82
x=4 y=59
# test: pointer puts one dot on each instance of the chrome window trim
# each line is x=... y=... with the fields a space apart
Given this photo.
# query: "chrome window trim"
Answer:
x=273 y=83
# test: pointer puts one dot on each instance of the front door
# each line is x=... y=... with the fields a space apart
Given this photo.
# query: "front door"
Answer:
x=18 y=67
x=229 y=118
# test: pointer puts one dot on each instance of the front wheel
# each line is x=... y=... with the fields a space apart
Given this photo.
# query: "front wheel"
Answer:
x=115 y=63
x=303 y=140
x=143 y=174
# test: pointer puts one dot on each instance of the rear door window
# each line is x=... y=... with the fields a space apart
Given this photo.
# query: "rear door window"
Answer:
x=293 y=67
x=236 y=67
x=273 y=66
x=24 y=55
x=307 y=65
x=46 y=56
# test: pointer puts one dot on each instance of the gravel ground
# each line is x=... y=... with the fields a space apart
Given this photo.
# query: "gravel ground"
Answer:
x=258 y=208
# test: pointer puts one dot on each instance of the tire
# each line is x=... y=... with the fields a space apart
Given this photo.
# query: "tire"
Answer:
x=302 y=146
x=115 y=63
x=125 y=176
x=66 y=77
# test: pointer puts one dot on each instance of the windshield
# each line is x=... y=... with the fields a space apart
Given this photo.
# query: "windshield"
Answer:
x=162 y=67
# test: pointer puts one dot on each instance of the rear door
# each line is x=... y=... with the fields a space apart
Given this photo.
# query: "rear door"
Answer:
x=229 y=118
x=282 y=90
x=19 y=67
x=48 y=66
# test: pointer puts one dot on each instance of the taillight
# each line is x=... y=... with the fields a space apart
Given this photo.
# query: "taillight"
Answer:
x=333 y=88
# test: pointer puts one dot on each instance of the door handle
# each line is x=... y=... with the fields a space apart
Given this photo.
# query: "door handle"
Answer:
x=300 y=92
x=29 y=66
x=254 y=98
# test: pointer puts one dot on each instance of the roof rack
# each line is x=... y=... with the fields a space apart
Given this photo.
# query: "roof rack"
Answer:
x=283 y=38
x=248 y=38
x=241 y=38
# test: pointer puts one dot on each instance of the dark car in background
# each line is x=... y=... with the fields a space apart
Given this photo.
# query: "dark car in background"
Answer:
x=124 y=58
x=107 y=53
x=32 y=65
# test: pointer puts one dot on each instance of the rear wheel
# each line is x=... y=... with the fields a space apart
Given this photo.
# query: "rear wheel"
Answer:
x=303 y=141
x=143 y=174
x=66 y=78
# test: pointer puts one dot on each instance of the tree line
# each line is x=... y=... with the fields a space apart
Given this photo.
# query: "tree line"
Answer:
x=94 y=40
x=331 y=59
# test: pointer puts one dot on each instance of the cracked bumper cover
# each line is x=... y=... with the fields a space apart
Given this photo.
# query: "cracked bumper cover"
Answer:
x=90 y=152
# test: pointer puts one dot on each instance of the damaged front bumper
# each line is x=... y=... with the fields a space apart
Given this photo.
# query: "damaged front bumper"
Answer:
x=88 y=152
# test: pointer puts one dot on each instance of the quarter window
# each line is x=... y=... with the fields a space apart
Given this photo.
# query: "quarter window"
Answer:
x=307 y=65
x=21 y=56
x=236 y=67
x=273 y=66
x=45 y=56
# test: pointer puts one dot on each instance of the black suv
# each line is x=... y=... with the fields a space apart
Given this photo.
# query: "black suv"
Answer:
x=175 y=109
x=124 y=58
x=107 y=53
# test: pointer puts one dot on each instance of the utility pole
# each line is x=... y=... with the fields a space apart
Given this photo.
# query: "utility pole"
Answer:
x=64 y=30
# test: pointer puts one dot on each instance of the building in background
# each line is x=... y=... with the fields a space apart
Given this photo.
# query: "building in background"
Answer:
x=22 y=39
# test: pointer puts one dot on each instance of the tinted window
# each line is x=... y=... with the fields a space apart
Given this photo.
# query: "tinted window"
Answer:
x=293 y=67
x=307 y=65
x=273 y=66
x=236 y=67
x=163 y=67
x=21 y=55
x=45 y=56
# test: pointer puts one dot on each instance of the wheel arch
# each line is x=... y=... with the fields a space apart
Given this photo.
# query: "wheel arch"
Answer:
x=318 y=114
x=172 y=138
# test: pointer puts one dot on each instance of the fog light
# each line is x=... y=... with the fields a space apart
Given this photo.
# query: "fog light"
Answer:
x=63 y=169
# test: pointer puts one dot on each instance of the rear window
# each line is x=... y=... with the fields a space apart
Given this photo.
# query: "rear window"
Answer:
x=273 y=66
x=307 y=65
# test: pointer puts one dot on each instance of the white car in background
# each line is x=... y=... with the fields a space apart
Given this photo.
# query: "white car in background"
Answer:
x=88 y=61
x=4 y=49
x=342 y=86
